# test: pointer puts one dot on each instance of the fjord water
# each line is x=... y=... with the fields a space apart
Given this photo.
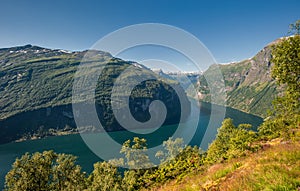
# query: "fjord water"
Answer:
x=73 y=144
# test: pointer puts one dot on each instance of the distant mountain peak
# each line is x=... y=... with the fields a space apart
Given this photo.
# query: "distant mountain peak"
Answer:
x=27 y=46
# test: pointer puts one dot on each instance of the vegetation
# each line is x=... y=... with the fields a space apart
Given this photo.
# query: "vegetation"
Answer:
x=36 y=81
x=248 y=84
x=249 y=159
x=276 y=167
x=285 y=118
x=231 y=142
x=286 y=70
x=104 y=177
x=238 y=159
x=295 y=28
x=45 y=171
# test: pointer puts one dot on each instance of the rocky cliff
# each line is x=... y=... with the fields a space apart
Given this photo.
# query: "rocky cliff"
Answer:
x=248 y=84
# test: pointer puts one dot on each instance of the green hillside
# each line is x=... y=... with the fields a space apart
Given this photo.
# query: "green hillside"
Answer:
x=36 y=91
x=248 y=84
x=276 y=167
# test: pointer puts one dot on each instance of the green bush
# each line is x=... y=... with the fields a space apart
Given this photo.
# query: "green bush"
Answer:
x=187 y=161
x=177 y=160
x=280 y=127
x=231 y=142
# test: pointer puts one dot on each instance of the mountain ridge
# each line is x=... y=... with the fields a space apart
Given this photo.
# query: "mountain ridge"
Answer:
x=248 y=84
x=39 y=81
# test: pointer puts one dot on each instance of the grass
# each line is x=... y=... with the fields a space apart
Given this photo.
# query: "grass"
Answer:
x=277 y=167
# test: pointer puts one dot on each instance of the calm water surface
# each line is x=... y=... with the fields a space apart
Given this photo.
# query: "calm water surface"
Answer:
x=73 y=144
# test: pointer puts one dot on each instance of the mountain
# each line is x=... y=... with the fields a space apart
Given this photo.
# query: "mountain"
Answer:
x=36 y=91
x=248 y=84
x=186 y=79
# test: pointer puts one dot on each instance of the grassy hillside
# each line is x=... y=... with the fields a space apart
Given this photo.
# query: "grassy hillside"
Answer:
x=275 y=167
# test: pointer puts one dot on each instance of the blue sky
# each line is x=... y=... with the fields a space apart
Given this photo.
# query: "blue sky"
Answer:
x=231 y=30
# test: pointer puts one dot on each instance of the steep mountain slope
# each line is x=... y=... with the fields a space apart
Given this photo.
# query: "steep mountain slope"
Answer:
x=36 y=91
x=248 y=84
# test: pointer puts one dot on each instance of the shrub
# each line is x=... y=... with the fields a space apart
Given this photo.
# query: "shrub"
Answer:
x=231 y=142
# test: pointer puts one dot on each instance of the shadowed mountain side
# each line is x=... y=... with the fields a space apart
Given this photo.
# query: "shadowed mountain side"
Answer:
x=36 y=92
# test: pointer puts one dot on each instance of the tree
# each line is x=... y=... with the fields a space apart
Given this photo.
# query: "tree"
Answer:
x=45 y=171
x=286 y=71
x=138 y=162
x=177 y=160
x=295 y=28
x=172 y=147
x=231 y=142
x=135 y=152
x=104 y=177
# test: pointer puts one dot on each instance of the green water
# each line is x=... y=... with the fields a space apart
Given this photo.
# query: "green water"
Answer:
x=73 y=144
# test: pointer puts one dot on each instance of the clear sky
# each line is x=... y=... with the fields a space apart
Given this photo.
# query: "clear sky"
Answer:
x=231 y=30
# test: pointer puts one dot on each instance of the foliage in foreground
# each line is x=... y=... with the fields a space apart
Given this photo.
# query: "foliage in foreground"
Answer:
x=51 y=171
x=231 y=142
x=285 y=119
x=274 y=168
x=104 y=177
x=45 y=171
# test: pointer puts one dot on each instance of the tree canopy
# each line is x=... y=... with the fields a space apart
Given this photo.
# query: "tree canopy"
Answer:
x=286 y=70
x=45 y=171
x=295 y=28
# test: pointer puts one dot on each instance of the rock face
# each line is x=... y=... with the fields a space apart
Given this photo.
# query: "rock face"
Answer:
x=36 y=92
x=248 y=84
